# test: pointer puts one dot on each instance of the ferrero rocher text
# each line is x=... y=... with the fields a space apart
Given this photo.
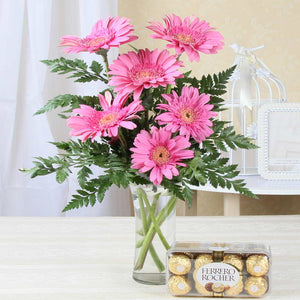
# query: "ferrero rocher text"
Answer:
x=217 y=274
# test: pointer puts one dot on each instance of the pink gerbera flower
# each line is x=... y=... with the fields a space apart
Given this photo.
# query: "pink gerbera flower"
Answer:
x=92 y=123
x=190 y=35
x=132 y=72
x=111 y=32
x=189 y=114
x=159 y=152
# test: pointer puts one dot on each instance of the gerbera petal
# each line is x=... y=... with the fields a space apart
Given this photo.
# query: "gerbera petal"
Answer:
x=128 y=124
x=105 y=34
x=135 y=71
x=190 y=35
x=89 y=123
x=159 y=152
x=189 y=113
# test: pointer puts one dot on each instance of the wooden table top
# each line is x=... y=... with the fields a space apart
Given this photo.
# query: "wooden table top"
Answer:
x=92 y=258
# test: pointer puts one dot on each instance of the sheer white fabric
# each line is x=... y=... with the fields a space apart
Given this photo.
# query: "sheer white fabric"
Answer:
x=30 y=31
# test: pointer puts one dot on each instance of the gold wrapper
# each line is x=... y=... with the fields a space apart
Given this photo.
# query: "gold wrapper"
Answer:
x=218 y=287
x=202 y=290
x=236 y=289
x=216 y=295
x=179 y=264
x=256 y=286
x=234 y=260
x=179 y=285
x=203 y=259
x=257 y=264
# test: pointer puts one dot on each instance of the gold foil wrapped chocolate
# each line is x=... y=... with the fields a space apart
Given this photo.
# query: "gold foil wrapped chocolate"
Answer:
x=218 y=287
x=235 y=289
x=257 y=264
x=203 y=259
x=234 y=260
x=179 y=285
x=256 y=286
x=179 y=264
x=204 y=290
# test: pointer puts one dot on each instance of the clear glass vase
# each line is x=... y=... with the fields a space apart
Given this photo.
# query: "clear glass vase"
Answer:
x=155 y=212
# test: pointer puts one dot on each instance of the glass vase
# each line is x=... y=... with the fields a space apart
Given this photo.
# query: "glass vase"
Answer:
x=155 y=212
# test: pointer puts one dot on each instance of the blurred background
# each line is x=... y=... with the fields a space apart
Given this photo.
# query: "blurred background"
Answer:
x=30 y=31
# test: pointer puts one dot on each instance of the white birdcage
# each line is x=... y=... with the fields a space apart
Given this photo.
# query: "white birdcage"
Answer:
x=251 y=85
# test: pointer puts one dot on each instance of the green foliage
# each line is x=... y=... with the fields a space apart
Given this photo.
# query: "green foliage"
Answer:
x=83 y=175
x=90 y=191
x=78 y=69
x=67 y=100
x=216 y=84
x=225 y=137
x=174 y=187
x=114 y=155
x=211 y=167
x=187 y=194
x=213 y=85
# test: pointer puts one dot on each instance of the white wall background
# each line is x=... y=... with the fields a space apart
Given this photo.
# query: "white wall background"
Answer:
x=30 y=31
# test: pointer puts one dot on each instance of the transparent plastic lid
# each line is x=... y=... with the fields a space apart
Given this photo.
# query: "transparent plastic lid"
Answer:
x=218 y=269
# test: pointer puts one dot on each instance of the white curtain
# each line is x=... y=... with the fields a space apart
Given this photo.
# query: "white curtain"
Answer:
x=30 y=32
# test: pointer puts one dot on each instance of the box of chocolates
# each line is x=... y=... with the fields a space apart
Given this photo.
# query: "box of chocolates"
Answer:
x=218 y=269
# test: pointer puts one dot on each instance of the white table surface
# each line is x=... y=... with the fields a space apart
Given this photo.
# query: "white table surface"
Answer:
x=91 y=258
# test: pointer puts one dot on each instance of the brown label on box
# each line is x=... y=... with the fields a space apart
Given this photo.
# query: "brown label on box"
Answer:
x=218 y=276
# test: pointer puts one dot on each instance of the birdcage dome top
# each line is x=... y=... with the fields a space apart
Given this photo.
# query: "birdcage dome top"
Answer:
x=252 y=82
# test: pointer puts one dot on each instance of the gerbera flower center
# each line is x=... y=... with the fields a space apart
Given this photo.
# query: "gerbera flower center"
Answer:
x=99 y=40
x=108 y=119
x=160 y=155
x=184 y=38
x=187 y=115
x=145 y=74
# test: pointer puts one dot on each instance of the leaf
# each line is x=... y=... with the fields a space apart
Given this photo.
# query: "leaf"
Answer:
x=83 y=174
x=92 y=199
x=96 y=67
x=174 y=188
x=59 y=101
x=61 y=175
x=188 y=195
x=78 y=69
x=90 y=191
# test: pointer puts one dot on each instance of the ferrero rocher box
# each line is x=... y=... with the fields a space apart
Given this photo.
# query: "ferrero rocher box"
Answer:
x=218 y=269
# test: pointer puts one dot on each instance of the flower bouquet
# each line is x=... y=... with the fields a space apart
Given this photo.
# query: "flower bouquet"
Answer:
x=154 y=127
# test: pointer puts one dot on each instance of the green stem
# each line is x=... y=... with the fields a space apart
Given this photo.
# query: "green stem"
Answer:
x=139 y=243
x=154 y=222
x=122 y=139
x=168 y=89
x=143 y=213
x=146 y=120
x=105 y=59
x=164 y=213
x=156 y=259
x=152 y=251
x=153 y=207
x=140 y=232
